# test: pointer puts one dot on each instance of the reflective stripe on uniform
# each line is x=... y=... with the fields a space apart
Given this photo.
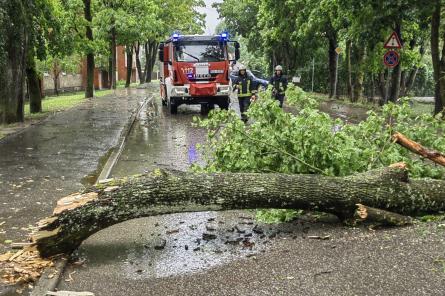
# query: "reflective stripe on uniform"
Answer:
x=248 y=93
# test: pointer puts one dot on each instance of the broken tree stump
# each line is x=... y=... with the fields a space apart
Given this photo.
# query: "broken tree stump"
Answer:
x=162 y=192
x=415 y=147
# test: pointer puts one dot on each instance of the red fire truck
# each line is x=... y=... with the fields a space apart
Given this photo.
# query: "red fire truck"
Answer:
x=195 y=70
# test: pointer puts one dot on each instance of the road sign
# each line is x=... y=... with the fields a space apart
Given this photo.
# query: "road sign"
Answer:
x=338 y=50
x=391 y=59
x=393 y=41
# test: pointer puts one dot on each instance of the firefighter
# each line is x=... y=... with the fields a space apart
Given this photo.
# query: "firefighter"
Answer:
x=279 y=85
x=245 y=85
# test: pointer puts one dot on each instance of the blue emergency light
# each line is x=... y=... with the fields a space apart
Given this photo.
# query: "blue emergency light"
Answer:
x=224 y=36
x=175 y=37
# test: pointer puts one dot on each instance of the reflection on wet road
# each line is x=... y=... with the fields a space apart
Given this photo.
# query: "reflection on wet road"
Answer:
x=161 y=140
x=172 y=244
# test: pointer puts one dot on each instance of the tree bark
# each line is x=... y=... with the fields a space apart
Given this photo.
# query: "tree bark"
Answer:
x=158 y=193
x=415 y=147
x=360 y=54
x=381 y=217
x=35 y=98
x=150 y=55
x=113 y=57
x=383 y=89
x=110 y=65
x=129 y=52
x=138 y=63
x=349 y=69
x=435 y=55
x=332 y=66
x=89 y=90
x=12 y=68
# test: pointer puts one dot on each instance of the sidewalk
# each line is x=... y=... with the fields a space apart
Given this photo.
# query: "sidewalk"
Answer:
x=57 y=157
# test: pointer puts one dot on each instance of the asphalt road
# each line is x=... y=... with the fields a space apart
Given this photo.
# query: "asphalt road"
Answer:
x=174 y=254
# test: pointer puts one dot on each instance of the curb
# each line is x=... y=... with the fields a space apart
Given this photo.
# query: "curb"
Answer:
x=112 y=159
x=45 y=283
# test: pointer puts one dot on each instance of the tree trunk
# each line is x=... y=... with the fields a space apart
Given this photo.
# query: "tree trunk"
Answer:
x=349 y=69
x=56 y=84
x=35 y=98
x=129 y=52
x=360 y=54
x=158 y=193
x=435 y=55
x=89 y=90
x=382 y=88
x=110 y=65
x=150 y=55
x=138 y=63
x=332 y=67
x=12 y=68
x=113 y=57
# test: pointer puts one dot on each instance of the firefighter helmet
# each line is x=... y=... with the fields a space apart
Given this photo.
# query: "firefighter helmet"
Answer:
x=242 y=68
x=278 y=68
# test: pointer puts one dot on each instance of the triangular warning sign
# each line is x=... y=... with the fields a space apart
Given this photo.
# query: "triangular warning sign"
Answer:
x=393 y=41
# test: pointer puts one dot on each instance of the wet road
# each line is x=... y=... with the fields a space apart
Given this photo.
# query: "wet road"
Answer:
x=228 y=253
x=57 y=157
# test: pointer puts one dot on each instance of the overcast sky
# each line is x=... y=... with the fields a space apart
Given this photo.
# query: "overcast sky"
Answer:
x=212 y=16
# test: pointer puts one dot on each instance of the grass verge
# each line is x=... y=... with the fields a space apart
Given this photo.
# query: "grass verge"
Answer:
x=50 y=105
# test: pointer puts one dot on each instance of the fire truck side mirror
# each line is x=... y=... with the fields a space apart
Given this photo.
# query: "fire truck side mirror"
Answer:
x=161 y=52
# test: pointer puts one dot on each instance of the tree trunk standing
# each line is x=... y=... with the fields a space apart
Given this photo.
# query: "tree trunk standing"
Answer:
x=332 y=66
x=113 y=57
x=35 y=98
x=349 y=69
x=56 y=76
x=110 y=64
x=154 y=54
x=137 y=49
x=158 y=193
x=129 y=52
x=372 y=94
x=382 y=87
x=150 y=56
x=439 y=103
x=89 y=90
x=360 y=54
x=13 y=62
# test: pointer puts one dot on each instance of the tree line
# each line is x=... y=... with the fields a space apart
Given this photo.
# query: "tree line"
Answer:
x=49 y=35
x=295 y=32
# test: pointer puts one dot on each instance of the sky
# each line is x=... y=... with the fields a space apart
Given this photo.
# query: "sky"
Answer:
x=212 y=16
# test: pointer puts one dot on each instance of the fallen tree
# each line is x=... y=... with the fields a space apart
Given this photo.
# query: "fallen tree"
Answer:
x=164 y=192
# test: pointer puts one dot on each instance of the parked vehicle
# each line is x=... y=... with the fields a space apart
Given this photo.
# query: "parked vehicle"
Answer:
x=195 y=70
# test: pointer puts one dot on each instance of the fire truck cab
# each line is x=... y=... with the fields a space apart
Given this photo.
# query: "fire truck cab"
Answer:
x=195 y=70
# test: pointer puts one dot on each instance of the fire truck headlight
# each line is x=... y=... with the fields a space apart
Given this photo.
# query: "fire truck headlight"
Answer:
x=179 y=91
x=224 y=89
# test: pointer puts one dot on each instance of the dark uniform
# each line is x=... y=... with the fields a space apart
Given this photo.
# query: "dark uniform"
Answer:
x=246 y=88
x=279 y=87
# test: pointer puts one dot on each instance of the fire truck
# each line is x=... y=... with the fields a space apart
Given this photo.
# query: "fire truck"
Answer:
x=195 y=70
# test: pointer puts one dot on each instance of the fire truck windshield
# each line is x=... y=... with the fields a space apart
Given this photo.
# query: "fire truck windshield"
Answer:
x=199 y=52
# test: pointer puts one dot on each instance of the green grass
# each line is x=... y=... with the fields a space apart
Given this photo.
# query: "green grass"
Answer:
x=60 y=103
x=50 y=105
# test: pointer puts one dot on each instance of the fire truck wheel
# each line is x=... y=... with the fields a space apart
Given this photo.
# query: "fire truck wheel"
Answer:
x=205 y=108
x=172 y=106
x=224 y=105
